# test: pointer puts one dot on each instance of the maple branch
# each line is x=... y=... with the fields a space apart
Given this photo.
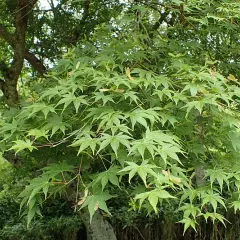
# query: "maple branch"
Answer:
x=35 y=62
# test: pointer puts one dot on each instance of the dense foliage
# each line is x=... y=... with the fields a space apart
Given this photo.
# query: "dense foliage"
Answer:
x=141 y=116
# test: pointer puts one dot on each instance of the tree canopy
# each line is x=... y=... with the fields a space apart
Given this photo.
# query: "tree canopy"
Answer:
x=116 y=105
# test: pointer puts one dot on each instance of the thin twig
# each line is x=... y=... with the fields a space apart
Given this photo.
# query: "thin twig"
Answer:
x=78 y=181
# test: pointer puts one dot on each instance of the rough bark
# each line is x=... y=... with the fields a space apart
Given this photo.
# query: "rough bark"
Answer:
x=168 y=229
x=30 y=57
x=99 y=228
x=9 y=85
x=17 y=40
x=35 y=62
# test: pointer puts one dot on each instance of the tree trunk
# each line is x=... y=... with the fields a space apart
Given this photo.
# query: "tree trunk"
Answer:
x=9 y=89
x=11 y=93
x=99 y=229
x=199 y=175
x=12 y=73
x=168 y=229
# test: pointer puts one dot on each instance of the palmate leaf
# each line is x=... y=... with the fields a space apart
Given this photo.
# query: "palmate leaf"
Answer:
x=56 y=168
x=99 y=96
x=110 y=175
x=40 y=186
x=163 y=180
x=214 y=199
x=145 y=78
x=69 y=98
x=199 y=105
x=132 y=96
x=194 y=88
x=236 y=206
x=162 y=80
x=110 y=120
x=31 y=196
x=95 y=202
x=20 y=145
x=86 y=142
x=188 y=222
x=157 y=143
x=189 y=209
x=38 y=107
x=142 y=170
x=169 y=151
x=164 y=92
x=122 y=156
x=234 y=139
x=179 y=96
x=153 y=197
x=141 y=116
x=189 y=194
x=52 y=92
x=162 y=138
x=214 y=216
x=168 y=118
x=99 y=112
x=35 y=210
x=120 y=128
x=10 y=127
x=56 y=123
x=194 y=104
x=37 y=185
x=78 y=101
x=116 y=80
x=173 y=179
x=38 y=133
x=141 y=145
x=140 y=90
x=114 y=141
x=218 y=175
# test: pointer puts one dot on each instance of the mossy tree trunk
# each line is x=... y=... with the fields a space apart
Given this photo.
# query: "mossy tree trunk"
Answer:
x=99 y=228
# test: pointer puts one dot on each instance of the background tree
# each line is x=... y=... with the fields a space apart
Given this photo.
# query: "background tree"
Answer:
x=40 y=36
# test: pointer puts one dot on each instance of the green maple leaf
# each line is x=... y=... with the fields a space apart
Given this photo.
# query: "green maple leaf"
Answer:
x=153 y=197
x=52 y=92
x=194 y=104
x=69 y=98
x=84 y=143
x=12 y=127
x=56 y=123
x=189 y=209
x=132 y=96
x=97 y=201
x=213 y=199
x=142 y=170
x=39 y=107
x=37 y=133
x=214 y=216
x=141 y=116
x=236 y=206
x=143 y=144
x=54 y=169
x=102 y=97
x=109 y=175
x=218 y=175
x=114 y=141
x=21 y=145
x=188 y=222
